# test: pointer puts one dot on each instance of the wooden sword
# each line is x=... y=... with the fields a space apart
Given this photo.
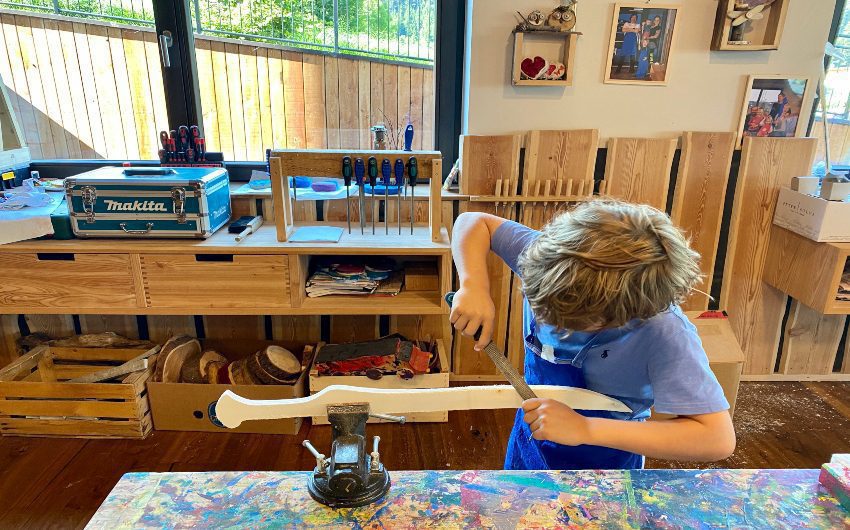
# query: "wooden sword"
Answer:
x=232 y=409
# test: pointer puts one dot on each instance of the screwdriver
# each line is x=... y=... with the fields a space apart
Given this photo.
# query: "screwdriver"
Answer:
x=386 y=171
x=346 y=178
x=373 y=181
x=359 y=172
x=412 y=174
x=399 y=183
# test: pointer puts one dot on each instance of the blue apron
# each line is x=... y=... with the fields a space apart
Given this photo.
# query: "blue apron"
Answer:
x=524 y=452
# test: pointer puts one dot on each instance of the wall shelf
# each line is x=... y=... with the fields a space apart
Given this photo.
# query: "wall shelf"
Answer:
x=806 y=270
x=764 y=34
x=566 y=55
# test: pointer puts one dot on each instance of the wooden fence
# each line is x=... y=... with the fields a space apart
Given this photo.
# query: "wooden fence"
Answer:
x=94 y=90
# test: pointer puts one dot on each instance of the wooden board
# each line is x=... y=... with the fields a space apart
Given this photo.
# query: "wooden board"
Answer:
x=698 y=200
x=234 y=327
x=232 y=409
x=561 y=155
x=162 y=327
x=486 y=159
x=9 y=333
x=486 y=162
x=124 y=325
x=756 y=309
x=811 y=341
x=54 y=326
x=638 y=170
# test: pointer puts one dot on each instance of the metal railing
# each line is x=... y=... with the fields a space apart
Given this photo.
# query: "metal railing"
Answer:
x=396 y=30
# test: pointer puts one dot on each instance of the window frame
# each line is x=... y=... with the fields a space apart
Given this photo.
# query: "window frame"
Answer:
x=183 y=101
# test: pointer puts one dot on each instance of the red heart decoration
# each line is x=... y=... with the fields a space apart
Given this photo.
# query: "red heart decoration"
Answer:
x=532 y=67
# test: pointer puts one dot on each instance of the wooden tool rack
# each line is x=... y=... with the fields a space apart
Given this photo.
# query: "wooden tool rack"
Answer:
x=328 y=163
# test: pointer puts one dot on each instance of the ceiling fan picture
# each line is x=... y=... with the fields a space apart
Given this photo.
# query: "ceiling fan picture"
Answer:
x=745 y=14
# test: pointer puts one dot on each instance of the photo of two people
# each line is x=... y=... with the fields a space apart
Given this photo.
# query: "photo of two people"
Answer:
x=641 y=40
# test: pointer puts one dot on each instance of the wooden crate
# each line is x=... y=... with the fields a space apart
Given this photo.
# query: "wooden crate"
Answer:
x=432 y=380
x=35 y=400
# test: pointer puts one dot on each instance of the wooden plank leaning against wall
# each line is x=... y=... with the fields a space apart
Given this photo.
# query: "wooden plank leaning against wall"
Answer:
x=755 y=308
x=557 y=164
x=485 y=162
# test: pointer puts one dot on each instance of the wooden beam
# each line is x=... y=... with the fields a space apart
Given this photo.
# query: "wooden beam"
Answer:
x=232 y=409
x=756 y=309
x=699 y=198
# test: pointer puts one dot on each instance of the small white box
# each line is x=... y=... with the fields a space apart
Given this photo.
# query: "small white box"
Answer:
x=813 y=217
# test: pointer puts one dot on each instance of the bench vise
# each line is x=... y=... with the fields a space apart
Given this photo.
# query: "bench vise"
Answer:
x=351 y=477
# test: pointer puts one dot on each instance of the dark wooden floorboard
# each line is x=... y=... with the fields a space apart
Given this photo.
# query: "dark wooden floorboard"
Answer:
x=59 y=483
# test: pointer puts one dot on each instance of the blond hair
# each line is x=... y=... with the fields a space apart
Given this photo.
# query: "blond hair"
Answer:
x=605 y=263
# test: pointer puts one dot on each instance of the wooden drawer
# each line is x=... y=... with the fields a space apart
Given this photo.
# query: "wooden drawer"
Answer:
x=49 y=280
x=215 y=281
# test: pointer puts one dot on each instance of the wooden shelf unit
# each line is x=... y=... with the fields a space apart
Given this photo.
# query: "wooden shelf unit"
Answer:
x=567 y=58
x=773 y=24
x=806 y=270
x=259 y=276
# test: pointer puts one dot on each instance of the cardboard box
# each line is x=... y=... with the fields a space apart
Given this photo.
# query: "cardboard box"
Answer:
x=188 y=407
x=432 y=380
x=813 y=217
x=725 y=357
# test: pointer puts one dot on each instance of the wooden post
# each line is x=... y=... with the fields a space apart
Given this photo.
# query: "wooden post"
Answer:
x=435 y=201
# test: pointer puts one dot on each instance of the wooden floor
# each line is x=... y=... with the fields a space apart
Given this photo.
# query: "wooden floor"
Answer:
x=59 y=483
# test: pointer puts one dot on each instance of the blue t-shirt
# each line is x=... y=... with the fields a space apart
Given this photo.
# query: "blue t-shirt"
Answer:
x=656 y=362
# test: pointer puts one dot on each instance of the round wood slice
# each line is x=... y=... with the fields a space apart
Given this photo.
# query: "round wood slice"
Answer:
x=176 y=358
x=240 y=374
x=217 y=373
x=209 y=357
x=167 y=348
x=279 y=362
x=190 y=372
x=258 y=372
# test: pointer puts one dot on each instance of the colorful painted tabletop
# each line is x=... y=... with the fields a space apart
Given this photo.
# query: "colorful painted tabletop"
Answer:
x=482 y=499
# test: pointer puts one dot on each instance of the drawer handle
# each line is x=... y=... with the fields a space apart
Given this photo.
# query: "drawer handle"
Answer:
x=148 y=228
x=43 y=256
x=214 y=257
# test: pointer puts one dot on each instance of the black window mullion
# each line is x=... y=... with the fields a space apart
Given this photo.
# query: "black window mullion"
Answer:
x=180 y=80
x=451 y=24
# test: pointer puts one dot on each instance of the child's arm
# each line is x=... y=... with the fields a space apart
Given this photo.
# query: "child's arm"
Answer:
x=472 y=306
x=699 y=438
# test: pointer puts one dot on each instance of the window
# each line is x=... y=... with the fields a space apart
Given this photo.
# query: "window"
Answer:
x=86 y=81
x=837 y=86
x=314 y=73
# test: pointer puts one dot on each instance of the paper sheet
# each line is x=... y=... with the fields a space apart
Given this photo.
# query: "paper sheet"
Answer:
x=27 y=223
x=316 y=234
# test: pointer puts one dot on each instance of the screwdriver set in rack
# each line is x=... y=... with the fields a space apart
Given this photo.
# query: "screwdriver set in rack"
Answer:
x=185 y=147
x=388 y=176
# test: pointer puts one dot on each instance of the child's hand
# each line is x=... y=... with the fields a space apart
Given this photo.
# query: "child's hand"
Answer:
x=473 y=308
x=553 y=421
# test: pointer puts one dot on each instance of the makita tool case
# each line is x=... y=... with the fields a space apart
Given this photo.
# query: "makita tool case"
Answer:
x=148 y=202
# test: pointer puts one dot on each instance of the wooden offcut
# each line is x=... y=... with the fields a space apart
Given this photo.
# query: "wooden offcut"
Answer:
x=638 y=170
x=698 y=200
x=756 y=309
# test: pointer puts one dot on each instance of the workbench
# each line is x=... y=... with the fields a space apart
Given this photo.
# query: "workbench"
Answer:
x=216 y=276
x=717 y=498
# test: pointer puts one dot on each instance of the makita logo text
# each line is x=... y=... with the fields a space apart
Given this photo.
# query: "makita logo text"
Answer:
x=134 y=206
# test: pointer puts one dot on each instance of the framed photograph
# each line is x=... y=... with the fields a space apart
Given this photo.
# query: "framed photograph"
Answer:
x=773 y=105
x=641 y=43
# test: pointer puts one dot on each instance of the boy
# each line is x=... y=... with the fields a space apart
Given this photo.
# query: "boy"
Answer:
x=601 y=283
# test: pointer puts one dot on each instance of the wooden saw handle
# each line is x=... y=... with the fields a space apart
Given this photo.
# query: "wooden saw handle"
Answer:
x=231 y=409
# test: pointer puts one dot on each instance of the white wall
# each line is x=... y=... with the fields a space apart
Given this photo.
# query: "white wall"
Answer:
x=705 y=89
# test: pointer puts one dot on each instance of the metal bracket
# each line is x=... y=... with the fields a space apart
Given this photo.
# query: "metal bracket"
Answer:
x=178 y=195
x=89 y=196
